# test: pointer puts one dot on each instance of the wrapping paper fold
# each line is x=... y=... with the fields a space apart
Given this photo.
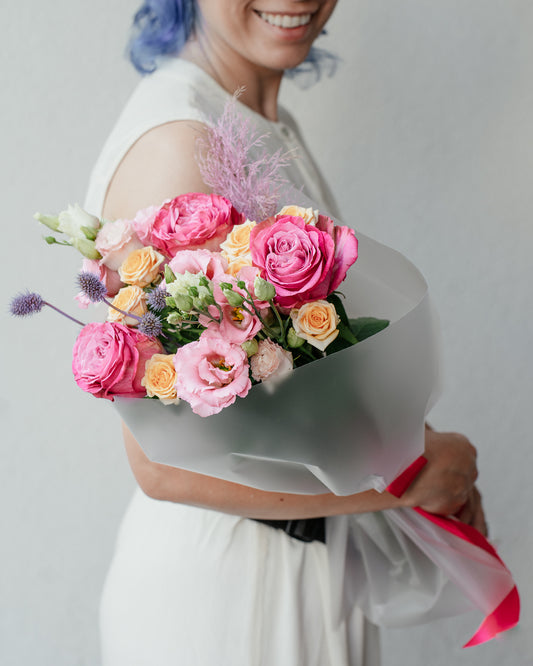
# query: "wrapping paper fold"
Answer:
x=346 y=423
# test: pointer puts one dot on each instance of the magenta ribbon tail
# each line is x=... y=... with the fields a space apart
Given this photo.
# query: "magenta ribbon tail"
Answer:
x=505 y=616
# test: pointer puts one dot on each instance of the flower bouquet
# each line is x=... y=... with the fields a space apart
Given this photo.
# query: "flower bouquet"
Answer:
x=212 y=299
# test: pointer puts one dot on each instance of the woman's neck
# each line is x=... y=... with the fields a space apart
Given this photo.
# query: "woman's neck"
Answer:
x=260 y=86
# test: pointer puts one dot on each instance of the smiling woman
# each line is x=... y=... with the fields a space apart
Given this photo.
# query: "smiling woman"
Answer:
x=207 y=571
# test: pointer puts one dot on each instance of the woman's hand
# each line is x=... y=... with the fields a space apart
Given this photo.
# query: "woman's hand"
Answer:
x=445 y=485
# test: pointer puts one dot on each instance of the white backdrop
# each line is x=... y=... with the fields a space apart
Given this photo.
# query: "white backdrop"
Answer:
x=426 y=136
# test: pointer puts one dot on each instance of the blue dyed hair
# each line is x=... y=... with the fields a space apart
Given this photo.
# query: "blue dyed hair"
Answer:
x=161 y=27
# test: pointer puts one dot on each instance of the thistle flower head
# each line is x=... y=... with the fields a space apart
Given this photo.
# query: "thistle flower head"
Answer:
x=91 y=285
x=24 y=305
x=150 y=325
x=157 y=299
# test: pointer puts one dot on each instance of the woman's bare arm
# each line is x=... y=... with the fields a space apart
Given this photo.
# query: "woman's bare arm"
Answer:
x=442 y=487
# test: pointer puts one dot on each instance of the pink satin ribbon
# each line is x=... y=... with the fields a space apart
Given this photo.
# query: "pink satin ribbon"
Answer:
x=505 y=616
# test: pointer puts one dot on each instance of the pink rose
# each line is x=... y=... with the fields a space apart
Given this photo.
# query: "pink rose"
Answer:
x=303 y=262
x=211 y=264
x=210 y=373
x=109 y=359
x=115 y=241
x=110 y=279
x=271 y=362
x=190 y=221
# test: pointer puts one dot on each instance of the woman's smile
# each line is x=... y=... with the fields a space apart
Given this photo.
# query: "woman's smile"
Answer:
x=285 y=20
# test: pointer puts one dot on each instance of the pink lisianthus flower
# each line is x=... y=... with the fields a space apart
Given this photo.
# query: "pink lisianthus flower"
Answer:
x=190 y=221
x=302 y=261
x=237 y=325
x=109 y=278
x=115 y=241
x=108 y=359
x=211 y=373
x=211 y=264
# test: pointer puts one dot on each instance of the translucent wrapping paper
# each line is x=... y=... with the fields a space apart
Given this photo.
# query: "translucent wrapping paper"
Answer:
x=347 y=423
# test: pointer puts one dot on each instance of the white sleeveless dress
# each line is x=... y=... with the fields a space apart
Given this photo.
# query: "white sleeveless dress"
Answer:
x=193 y=587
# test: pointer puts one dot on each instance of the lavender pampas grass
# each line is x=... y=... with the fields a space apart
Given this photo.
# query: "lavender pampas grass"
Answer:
x=224 y=158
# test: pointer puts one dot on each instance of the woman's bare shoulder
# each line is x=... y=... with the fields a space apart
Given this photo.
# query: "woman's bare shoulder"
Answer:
x=160 y=165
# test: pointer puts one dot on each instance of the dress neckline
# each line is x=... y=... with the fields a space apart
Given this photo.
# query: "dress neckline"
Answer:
x=175 y=63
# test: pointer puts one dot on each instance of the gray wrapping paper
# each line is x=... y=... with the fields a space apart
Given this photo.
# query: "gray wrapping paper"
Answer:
x=346 y=423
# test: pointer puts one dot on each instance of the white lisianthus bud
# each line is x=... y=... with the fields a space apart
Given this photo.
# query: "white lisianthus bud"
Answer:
x=86 y=247
x=264 y=290
x=174 y=318
x=233 y=297
x=74 y=219
x=250 y=347
x=293 y=339
x=50 y=221
x=169 y=275
x=183 y=302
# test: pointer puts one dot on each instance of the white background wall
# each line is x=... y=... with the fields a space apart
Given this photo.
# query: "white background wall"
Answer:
x=426 y=135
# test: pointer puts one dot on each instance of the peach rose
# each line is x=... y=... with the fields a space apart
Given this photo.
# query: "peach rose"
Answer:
x=131 y=299
x=316 y=322
x=160 y=378
x=308 y=215
x=141 y=267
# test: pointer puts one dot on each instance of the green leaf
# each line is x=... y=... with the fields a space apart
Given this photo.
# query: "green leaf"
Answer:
x=365 y=327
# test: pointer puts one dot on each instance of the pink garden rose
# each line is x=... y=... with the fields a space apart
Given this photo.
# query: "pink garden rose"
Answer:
x=190 y=221
x=115 y=241
x=210 y=373
x=302 y=261
x=109 y=359
x=110 y=279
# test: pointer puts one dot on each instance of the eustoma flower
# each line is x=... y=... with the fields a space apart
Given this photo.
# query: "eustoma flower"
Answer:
x=304 y=262
x=211 y=373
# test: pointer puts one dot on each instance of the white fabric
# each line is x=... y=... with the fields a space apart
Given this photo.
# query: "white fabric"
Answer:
x=200 y=588
x=196 y=587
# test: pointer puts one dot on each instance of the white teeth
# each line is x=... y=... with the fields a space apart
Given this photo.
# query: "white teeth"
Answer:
x=285 y=20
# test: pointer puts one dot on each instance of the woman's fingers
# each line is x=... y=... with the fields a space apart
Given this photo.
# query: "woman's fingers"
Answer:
x=445 y=484
x=472 y=513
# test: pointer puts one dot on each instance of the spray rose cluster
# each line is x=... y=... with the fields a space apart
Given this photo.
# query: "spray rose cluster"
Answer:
x=203 y=303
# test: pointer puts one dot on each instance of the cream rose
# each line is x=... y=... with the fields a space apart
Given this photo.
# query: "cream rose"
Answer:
x=160 y=378
x=141 y=267
x=308 y=215
x=235 y=265
x=129 y=299
x=316 y=322
x=237 y=243
x=271 y=362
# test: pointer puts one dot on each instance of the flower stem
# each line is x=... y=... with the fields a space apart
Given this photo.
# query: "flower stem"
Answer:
x=76 y=321
x=280 y=321
x=122 y=312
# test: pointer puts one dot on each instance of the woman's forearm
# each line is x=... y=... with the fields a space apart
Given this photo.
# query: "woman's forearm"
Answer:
x=177 y=485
